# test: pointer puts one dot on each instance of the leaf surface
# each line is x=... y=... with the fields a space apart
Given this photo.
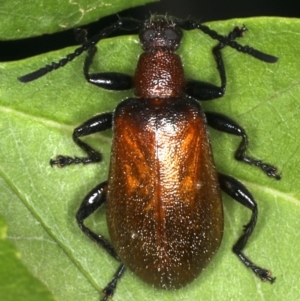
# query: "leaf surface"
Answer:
x=20 y=20
x=16 y=283
x=39 y=203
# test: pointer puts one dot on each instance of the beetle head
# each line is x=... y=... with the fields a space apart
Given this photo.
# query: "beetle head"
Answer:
x=160 y=33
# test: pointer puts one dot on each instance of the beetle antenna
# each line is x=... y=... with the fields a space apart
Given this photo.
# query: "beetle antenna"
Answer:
x=189 y=25
x=126 y=24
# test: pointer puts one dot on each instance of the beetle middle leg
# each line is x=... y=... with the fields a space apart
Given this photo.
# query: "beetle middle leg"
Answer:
x=225 y=124
x=93 y=125
x=240 y=193
x=93 y=201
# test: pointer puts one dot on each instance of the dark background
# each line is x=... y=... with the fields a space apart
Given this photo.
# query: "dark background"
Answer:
x=209 y=10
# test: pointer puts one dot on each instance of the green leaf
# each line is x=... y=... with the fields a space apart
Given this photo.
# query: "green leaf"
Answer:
x=40 y=202
x=35 y=18
x=16 y=283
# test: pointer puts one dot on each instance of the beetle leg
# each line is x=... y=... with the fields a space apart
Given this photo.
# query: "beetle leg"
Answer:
x=107 y=80
x=203 y=90
x=93 y=125
x=109 y=290
x=93 y=201
x=206 y=91
x=225 y=124
x=240 y=193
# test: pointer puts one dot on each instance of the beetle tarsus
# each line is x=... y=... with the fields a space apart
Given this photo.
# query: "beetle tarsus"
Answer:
x=268 y=169
x=263 y=274
x=109 y=290
x=62 y=161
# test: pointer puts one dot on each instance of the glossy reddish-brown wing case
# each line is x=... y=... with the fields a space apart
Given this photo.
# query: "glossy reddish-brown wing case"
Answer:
x=164 y=209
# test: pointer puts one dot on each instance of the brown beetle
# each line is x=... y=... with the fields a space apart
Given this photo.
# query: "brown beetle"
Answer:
x=164 y=207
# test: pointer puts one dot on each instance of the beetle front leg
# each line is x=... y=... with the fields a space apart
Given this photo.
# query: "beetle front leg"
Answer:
x=107 y=80
x=225 y=124
x=206 y=91
x=93 y=201
x=95 y=124
x=240 y=193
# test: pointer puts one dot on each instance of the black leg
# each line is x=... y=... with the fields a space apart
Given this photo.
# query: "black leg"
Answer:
x=225 y=124
x=109 y=290
x=240 y=193
x=93 y=201
x=106 y=80
x=206 y=91
x=95 y=124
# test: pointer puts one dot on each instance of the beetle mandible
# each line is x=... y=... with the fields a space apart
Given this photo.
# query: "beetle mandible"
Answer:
x=164 y=207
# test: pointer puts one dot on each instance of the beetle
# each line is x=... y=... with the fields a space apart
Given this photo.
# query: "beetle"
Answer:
x=163 y=193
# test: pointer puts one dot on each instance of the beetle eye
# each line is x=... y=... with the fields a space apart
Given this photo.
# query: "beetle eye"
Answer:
x=148 y=35
x=170 y=34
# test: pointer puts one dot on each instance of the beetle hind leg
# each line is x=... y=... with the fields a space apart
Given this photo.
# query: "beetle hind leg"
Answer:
x=262 y=273
x=93 y=201
x=110 y=288
x=240 y=193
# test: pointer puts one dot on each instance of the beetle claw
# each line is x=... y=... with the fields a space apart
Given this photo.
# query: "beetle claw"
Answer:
x=263 y=274
x=62 y=161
